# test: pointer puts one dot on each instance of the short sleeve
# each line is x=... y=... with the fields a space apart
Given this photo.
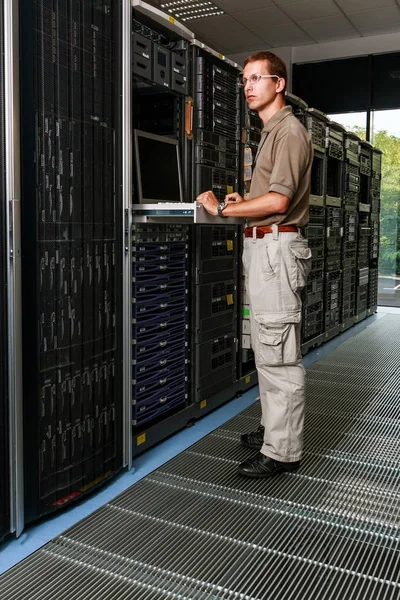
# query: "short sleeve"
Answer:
x=291 y=157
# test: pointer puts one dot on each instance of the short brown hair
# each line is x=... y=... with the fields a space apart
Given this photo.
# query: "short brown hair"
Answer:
x=276 y=66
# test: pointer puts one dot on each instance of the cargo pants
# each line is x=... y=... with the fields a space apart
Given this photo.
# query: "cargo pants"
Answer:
x=276 y=269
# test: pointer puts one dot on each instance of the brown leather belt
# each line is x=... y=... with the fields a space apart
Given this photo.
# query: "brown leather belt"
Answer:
x=262 y=230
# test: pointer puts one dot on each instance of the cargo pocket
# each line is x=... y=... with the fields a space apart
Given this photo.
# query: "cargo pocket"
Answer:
x=277 y=344
x=271 y=343
x=302 y=263
x=267 y=268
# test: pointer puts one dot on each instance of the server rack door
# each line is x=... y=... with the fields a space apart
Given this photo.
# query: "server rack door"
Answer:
x=72 y=249
x=4 y=395
x=11 y=503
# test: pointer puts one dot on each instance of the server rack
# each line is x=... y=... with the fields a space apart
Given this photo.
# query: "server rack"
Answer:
x=313 y=296
x=322 y=142
x=299 y=107
x=160 y=251
x=366 y=283
x=314 y=232
x=254 y=127
x=72 y=250
x=353 y=203
x=215 y=151
x=374 y=196
x=351 y=189
x=251 y=136
x=347 y=224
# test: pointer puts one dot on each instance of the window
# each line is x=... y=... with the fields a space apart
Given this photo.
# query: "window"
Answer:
x=385 y=128
x=354 y=121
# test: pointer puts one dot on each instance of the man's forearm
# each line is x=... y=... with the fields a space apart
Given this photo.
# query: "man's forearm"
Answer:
x=262 y=206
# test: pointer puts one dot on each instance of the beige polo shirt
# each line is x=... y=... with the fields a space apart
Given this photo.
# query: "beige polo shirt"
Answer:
x=283 y=164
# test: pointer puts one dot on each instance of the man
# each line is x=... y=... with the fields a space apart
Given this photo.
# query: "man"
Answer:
x=277 y=260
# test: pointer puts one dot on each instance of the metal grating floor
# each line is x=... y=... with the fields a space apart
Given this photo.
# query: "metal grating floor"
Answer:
x=194 y=529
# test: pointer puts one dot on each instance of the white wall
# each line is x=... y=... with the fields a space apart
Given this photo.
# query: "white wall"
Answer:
x=374 y=44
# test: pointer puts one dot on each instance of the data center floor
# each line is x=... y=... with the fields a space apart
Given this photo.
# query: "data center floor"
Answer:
x=193 y=528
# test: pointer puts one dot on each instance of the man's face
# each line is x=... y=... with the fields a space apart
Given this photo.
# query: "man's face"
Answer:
x=260 y=94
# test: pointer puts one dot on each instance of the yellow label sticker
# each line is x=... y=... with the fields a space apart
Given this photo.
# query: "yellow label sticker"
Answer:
x=248 y=379
x=229 y=245
x=229 y=299
x=229 y=189
x=221 y=56
x=140 y=439
x=171 y=20
x=203 y=403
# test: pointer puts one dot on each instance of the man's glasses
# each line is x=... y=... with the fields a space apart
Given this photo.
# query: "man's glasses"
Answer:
x=253 y=79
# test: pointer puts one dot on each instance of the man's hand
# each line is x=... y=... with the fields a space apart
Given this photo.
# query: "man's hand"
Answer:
x=235 y=197
x=209 y=201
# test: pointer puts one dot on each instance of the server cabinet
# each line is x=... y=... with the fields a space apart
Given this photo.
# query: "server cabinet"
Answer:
x=374 y=201
x=71 y=249
x=215 y=166
x=159 y=319
x=315 y=231
x=251 y=135
x=367 y=231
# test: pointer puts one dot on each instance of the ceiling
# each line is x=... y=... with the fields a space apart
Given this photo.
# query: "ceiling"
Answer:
x=250 y=25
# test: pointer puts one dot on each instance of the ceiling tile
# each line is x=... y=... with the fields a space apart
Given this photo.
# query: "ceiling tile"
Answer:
x=309 y=9
x=234 y=6
x=335 y=36
x=328 y=28
x=352 y=6
x=284 y=35
x=282 y=2
x=212 y=25
x=246 y=42
x=265 y=17
x=369 y=19
x=236 y=43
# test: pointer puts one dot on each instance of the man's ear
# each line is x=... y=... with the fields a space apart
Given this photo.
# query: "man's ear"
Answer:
x=281 y=85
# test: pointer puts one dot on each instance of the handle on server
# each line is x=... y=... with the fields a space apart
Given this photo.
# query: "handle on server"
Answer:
x=189 y=117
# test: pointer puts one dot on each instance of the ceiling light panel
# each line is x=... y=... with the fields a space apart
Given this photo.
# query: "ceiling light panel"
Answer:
x=187 y=10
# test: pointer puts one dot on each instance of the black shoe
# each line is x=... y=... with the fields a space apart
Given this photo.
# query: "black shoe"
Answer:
x=254 y=439
x=264 y=466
